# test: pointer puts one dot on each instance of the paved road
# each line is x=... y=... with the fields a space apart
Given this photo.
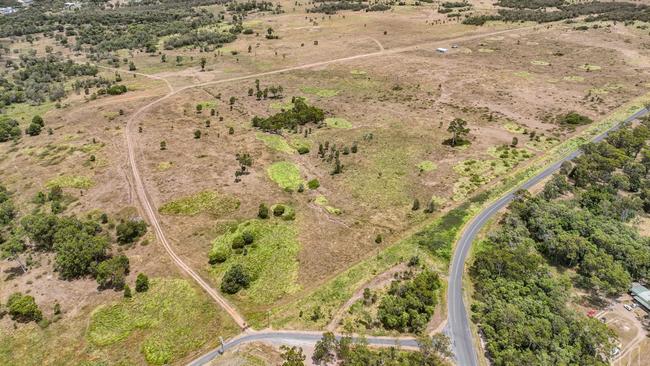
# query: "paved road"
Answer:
x=295 y=339
x=458 y=326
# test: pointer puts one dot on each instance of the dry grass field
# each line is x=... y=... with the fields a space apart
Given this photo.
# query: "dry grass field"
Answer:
x=394 y=102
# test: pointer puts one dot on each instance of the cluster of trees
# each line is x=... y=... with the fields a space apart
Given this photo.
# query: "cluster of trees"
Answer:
x=329 y=153
x=409 y=304
x=527 y=10
x=201 y=37
x=274 y=91
x=37 y=79
x=249 y=6
x=299 y=115
x=133 y=25
x=520 y=305
x=345 y=351
x=333 y=6
x=9 y=129
x=236 y=278
x=35 y=127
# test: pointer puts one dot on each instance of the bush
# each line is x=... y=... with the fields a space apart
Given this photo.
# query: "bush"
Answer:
x=219 y=255
x=237 y=242
x=38 y=120
x=313 y=184
x=142 y=283
x=248 y=237
x=9 y=130
x=278 y=210
x=302 y=150
x=130 y=231
x=263 y=212
x=111 y=273
x=300 y=114
x=235 y=279
x=33 y=129
x=575 y=119
x=116 y=89
x=23 y=308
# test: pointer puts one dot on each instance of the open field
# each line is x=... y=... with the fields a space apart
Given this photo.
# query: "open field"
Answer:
x=387 y=112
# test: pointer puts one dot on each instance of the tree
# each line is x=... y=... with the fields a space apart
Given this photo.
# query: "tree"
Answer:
x=141 y=283
x=40 y=229
x=112 y=272
x=292 y=356
x=163 y=145
x=416 y=205
x=23 y=308
x=263 y=212
x=130 y=230
x=38 y=120
x=203 y=61
x=132 y=66
x=163 y=58
x=458 y=129
x=78 y=249
x=325 y=350
x=197 y=134
x=33 y=129
x=11 y=249
x=235 y=279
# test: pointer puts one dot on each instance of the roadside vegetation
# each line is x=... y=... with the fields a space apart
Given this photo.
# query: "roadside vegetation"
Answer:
x=579 y=223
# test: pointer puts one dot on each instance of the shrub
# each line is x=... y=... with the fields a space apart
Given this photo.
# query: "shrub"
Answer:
x=237 y=242
x=23 y=308
x=116 y=89
x=9 y=130
x=33 y=129
x=235 y=279
x=248 y=237
x=219 y=255
x=112 y=272
x=302 y=150
x=130 y=231
x=313 y=184
x=278 y=210
x=263 y=212
x=38 y=120
x=142 y=283
x=575 y=119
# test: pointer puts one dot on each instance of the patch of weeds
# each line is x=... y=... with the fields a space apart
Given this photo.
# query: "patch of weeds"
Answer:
x=321 y=92
x=270 y=259
x=165 y=165
x=275 y=142
x=589 y=67
x=427 y=166
x=286 y=175
x=542 y=143
x=358 y=72
x=540 y=63
x=514 y=127
x=574 y=78
x=322 y=201
x=337 y=122
x=71 y=181
x=167 y=322
x=476 y=172
x=485 y=50
x=209 y=202
x=523 y=74
x=300 y=143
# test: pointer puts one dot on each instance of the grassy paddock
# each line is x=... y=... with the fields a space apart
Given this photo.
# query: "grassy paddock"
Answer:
x=209 y=202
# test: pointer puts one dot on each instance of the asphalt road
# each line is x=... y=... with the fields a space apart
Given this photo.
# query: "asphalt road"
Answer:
x=294 y=339
x=458 y=323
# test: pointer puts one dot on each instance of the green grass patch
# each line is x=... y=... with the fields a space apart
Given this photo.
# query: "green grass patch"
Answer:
x=476 y=172
x=275 y=142
x=589 y=67
x=321 y=92
x=271 y=260
x=542 y=143
x=514 y=127
x=282 y=105
x=358 y=72
x=300 y=142
x=210 y=202
x=165 y=165
x=286 y=175
x=337 y=122
x=322 y=201
x=523 y=74
x=71 y=181
x=25 y=112
x=485 y=50
x=427 y=166
x=574 y=78
x=540 y=63
x=167 y=322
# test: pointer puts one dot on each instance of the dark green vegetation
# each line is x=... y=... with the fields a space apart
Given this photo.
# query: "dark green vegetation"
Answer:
x=574 y=119
x=299 y=115
x=333 y=6
x=521 y=306
x=535 y=10
x=409 y=305
x=37 y=79
x=99 y=27
x=23 y=308
x=81 y=248
x=9 y=129
x=347 y=352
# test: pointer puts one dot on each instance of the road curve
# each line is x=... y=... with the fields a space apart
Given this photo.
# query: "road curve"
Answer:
x=297 y=338
x=458 y=321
